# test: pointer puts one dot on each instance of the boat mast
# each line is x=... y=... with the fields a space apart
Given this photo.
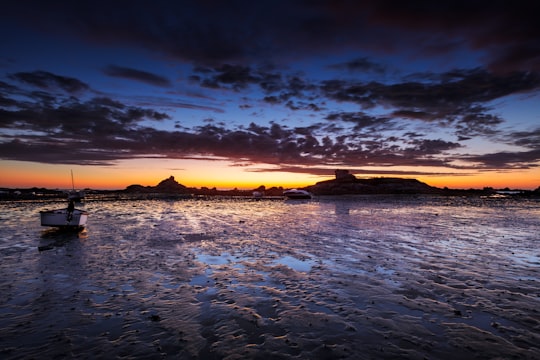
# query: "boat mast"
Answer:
x=72 y=182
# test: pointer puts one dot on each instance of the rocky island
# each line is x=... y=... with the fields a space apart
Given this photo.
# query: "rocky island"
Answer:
x=347 y=184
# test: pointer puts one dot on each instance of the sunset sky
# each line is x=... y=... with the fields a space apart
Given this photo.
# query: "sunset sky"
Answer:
x=248 y=93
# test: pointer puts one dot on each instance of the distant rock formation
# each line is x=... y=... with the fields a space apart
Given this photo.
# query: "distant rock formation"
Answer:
x=346 y=183
x=343 y=176
x=170 y=186
x=167 y=186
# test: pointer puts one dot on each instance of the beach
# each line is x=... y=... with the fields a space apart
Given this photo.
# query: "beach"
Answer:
x=358 y=277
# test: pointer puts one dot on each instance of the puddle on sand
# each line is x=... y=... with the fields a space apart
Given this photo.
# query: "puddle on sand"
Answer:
x=294 y=263
x=222 y=259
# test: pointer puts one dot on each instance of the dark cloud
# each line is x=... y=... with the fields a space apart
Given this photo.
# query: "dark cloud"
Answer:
x=236 y=77
x=67 y=130
x=291 y=91
x=526 y=158
x=364 y=122
x=453 y=100
x=359 y=172
x=527 y=139
x=240 y=31
x=102 y=130
x=477 y=122
x=507 y=159
x=444 y=97
x=364 y=65
x=137 y=75
x=55 y=151
x=432 y=147
x=507 y=31
x=51 y=82
x=415 y=115
x=176 y=104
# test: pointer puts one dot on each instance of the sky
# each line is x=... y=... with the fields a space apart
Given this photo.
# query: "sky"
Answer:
x=278 y=93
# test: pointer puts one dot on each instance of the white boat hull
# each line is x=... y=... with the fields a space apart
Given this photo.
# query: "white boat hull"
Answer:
x=297 y=194
x=61 y=218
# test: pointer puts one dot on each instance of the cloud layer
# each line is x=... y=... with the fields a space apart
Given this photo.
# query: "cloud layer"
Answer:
x=238 y=31
x=362 y=112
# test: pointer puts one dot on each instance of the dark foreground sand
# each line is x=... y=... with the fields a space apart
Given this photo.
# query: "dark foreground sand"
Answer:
x=362 y=278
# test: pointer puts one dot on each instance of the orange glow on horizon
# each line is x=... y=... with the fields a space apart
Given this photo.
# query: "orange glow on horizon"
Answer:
x=496 y=180
x=199 y=174
x=222 y=175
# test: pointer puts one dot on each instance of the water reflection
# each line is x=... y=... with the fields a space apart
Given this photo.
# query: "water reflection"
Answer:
x=342 y=208
x=58 y=237
x=295 y=264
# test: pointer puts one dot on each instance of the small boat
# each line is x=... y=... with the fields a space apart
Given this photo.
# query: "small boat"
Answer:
x=64 y=218
x=68 y=217
x=297 y=194
x=258 y=194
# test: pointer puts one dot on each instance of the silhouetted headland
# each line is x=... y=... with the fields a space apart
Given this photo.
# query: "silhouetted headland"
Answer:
x=171 y=187
x=347 y=184
x=343 y=184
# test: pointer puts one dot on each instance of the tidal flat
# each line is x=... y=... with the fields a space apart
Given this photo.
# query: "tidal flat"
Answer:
x=361 y=277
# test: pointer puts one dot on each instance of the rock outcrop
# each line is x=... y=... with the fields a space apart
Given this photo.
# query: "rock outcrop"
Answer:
x=347 y=184
x=170 y=186
x=167 y=186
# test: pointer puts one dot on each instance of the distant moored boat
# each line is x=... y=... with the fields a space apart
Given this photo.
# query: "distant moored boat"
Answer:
x=297 y=194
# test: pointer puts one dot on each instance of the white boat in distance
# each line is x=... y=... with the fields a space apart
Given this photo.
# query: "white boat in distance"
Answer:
x=64 y=218
x=297 y=194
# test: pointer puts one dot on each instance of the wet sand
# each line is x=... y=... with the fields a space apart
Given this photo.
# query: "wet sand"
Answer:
x=360 y=278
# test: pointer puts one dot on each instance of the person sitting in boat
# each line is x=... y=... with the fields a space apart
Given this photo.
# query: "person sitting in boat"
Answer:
x=71 y=207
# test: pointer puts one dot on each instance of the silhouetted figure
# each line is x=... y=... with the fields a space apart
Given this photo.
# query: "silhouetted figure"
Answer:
x=70 y=209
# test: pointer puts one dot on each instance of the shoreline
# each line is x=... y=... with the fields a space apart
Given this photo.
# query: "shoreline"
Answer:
x=122 y=196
